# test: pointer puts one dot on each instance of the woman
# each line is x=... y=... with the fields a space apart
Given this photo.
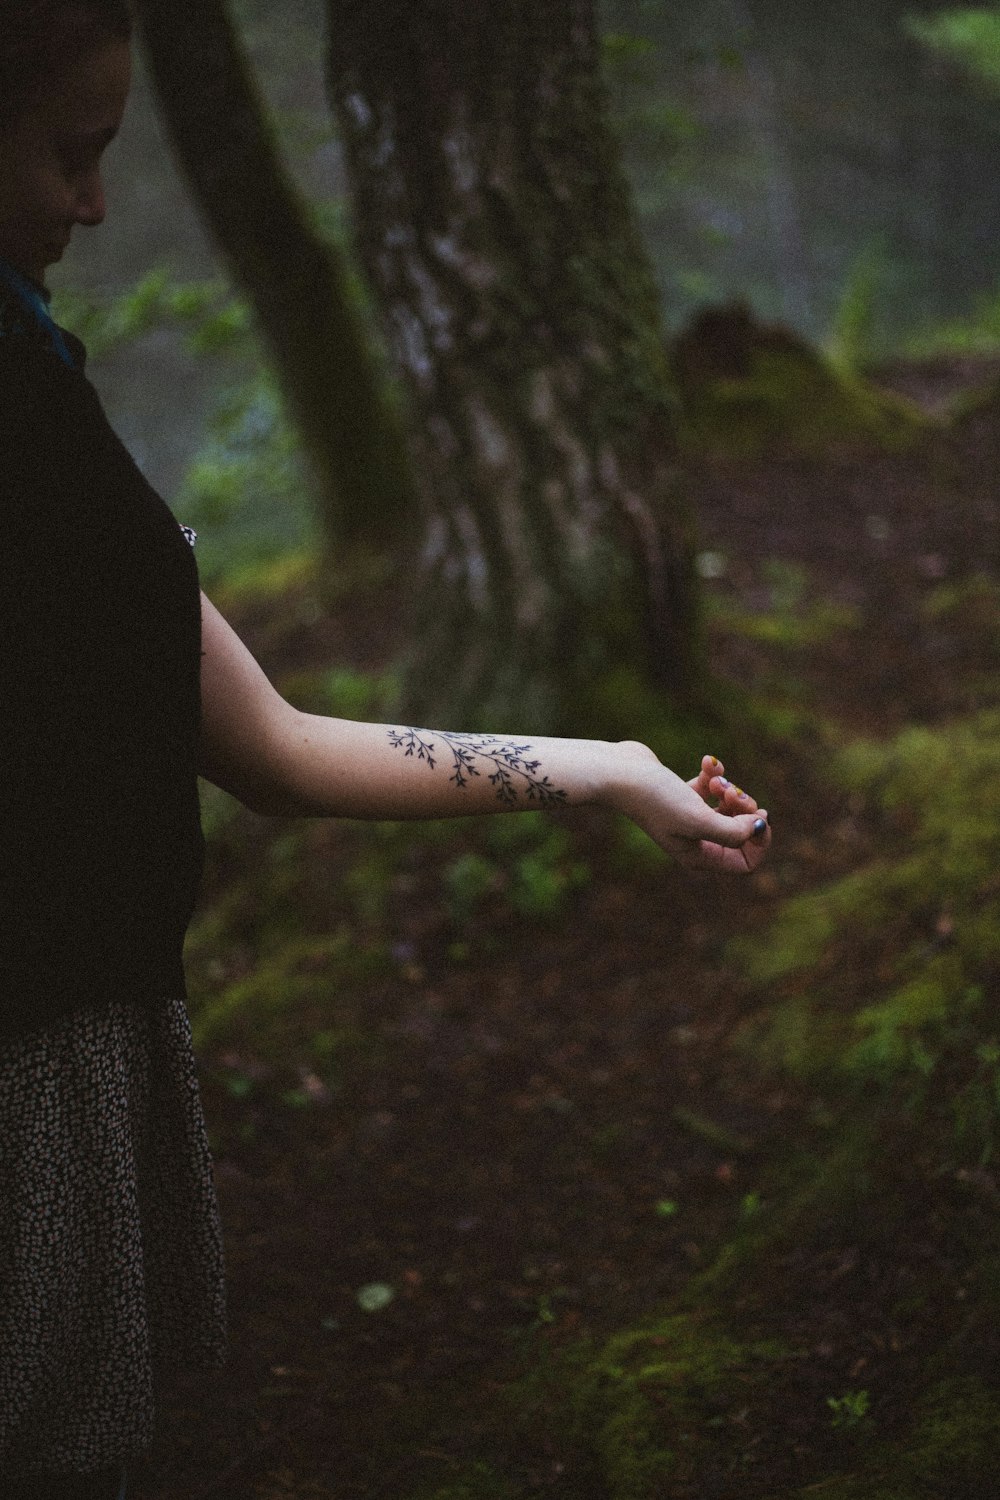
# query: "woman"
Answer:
x=118 y=685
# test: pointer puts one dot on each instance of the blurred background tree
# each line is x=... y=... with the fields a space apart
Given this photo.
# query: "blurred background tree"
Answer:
x=497 y=230
x=293 y=277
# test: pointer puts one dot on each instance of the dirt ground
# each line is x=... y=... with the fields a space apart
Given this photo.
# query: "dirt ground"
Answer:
x=506 y=1161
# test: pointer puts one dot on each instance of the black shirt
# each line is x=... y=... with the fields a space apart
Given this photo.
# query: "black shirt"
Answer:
x=100 y=653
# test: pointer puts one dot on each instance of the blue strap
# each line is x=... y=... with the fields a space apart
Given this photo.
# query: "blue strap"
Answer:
x=31 y=299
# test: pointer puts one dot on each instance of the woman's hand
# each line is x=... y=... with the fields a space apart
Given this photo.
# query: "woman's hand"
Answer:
x=731 y=836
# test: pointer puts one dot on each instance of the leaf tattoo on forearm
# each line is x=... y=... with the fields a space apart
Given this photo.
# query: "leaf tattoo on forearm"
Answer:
x=514 y=776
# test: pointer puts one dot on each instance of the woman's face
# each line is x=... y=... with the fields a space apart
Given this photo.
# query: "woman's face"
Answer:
x=50 y=157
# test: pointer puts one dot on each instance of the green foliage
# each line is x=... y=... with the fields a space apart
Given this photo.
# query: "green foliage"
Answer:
x=265 y=1006
x=660 y=135
x=468 y=880
x=971 y=605
x=357 y=695
x=530 y=870
x=970 y=38
x=620 y=703
x=850 y=340
x=656 y=1408
x=544 y=879
x=976 y=333
x=285 y=928
x=881 y=977
x=213 y=319
x=618 y=46
x=849 y=1410
x=751 y=1205
x=244 y=492
x=342 y=693
x=635 y=846
x=955 y=1437
x=795 y=619
x=247 y=491
x=281 y=936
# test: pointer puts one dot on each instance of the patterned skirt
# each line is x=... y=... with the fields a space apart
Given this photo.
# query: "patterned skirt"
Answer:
x=111 y=1266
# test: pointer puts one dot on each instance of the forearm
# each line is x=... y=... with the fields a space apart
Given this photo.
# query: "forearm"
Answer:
x=279 y=760
x=340 y=768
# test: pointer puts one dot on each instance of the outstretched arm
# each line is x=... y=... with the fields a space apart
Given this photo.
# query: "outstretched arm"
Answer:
x=281 y=761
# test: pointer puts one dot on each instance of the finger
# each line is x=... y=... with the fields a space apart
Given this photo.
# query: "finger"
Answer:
x=706 y=854
x=754 y=851
x=711 y=767
x=732 y=799
x=732 y=830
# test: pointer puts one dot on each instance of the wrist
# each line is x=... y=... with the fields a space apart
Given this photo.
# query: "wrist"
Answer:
x=625 y=767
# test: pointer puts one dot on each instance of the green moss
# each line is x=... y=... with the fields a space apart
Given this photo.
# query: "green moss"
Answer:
x=267 y=1005
x=880 y=976
x=955 y=1442
x=877 y=986
x=950 y=1451
x=788 y=630
x=970 y=604
x=746 y=733
x=642 y=1409
x=747 y=389
x=621 y=703
x=648 y=1409
x=785 y=403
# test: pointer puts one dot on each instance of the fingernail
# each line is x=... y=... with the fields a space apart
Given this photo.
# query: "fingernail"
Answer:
x=713 y=760
x=760 y=825
x=724 y=782
x=740 y=792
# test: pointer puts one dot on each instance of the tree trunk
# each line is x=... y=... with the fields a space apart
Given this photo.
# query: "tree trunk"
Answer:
x=294 y=281
x=498 y=232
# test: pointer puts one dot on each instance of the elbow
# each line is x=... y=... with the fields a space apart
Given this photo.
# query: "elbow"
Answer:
x=256 y=769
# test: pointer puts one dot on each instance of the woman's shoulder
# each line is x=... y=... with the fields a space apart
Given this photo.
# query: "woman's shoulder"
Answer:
x=36 y=383
x=50 y=426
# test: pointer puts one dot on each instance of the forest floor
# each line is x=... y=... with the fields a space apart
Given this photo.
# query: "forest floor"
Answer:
x=549 y=1136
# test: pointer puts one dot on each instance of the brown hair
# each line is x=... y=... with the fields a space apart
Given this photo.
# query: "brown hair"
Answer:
x=38 y=36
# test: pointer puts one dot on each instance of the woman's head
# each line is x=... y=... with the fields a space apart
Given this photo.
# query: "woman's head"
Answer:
x=38 y=38
x=64 y=75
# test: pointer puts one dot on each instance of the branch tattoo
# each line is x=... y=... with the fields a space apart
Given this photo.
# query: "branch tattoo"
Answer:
x=514 y=776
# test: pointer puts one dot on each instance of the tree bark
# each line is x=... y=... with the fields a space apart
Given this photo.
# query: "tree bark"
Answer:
x=294 y=281
x=498 y=232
